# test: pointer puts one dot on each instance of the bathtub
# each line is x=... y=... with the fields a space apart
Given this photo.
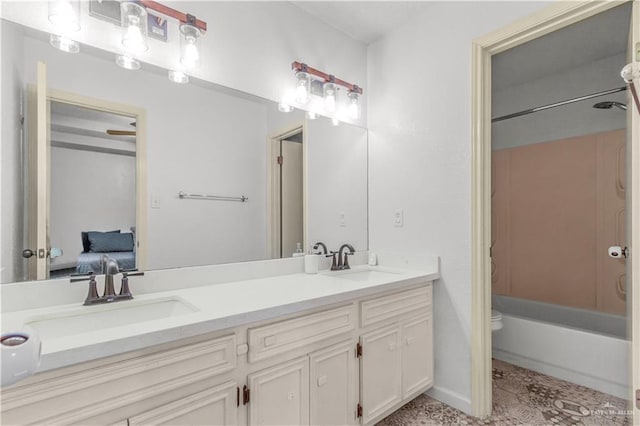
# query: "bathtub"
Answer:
x=577 y=345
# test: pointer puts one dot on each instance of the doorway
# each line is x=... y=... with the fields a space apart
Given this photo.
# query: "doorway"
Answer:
x=91 y=129
x=548 y=21
x=287 y=193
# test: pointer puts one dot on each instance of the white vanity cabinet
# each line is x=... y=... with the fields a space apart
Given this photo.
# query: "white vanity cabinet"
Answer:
x=396 y=360
x=348 y=364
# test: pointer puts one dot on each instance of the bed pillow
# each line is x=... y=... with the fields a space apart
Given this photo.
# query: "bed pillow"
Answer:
x=104 y=242
x=86 y=245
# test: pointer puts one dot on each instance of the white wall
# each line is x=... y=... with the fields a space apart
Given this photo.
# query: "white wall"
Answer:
x=419 y=78
x=337 y=179
x=90 y=191
x=567 y=121
x=12 y=266
x=248 y=46
x=198 y=140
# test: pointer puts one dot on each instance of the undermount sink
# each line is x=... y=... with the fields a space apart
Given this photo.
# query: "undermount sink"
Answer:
x=366 y=275
x=96 y=318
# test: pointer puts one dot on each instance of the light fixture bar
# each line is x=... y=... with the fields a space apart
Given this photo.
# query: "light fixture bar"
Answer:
x=299 y=66
x=176 y=14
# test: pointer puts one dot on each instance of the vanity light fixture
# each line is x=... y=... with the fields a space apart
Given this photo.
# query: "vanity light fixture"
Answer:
x=65 y=17
x=330 y=93
x=178 y=76
x=134 y=27
x=353 y=110
x=308 y=78
x=189 y=54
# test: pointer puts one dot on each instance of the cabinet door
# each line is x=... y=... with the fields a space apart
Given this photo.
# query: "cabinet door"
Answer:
x=333 y=387
x=280 y=395
x=380 y=371
x=216 y=406
x=417 y=355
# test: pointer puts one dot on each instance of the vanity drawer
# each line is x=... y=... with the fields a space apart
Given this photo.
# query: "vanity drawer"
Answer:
x=382 y=308
x=281 y=337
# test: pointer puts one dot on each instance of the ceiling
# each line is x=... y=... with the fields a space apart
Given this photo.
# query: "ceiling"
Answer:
x=365 y=21
x=598 y=37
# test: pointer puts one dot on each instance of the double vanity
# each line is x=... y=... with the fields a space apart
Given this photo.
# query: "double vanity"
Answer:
x=259 y=343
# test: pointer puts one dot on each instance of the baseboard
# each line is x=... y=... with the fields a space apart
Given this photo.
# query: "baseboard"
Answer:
x=579 y=378
x=451 y=398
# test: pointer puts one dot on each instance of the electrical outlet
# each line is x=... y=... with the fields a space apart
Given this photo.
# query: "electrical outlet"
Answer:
x=155 y=202
x=398 y=218
x=342 y=220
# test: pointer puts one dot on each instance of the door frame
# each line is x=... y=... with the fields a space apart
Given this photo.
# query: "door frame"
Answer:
x=140 y=116
x=550 y=19
x=273 y=183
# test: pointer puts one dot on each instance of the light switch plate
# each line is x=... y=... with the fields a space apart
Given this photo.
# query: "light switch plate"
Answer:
x=398 y=218
x=342 y=219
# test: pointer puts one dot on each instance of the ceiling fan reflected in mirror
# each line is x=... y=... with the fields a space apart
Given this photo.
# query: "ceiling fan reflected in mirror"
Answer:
x=112 y=132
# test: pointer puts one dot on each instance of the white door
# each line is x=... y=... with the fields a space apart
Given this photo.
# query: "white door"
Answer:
x=380 y=371
x=215 y=406
x=633 y=218
x=38 y=198
x=280 y=395
x=417 y=355
x=333 y=387
x=291 y=166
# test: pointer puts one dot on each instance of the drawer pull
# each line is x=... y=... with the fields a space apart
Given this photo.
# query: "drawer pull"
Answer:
x=270 y=340
x=322 y=380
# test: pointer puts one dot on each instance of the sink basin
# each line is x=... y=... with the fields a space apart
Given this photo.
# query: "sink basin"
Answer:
x=96 y=318
x=365 y=275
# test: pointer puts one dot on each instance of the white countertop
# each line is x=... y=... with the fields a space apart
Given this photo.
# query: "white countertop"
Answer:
x=217 y=307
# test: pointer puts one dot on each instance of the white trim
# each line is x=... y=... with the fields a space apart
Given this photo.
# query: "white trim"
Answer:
x=450 y=397
x=273 y=210
x=544 y=22
x=140 y=117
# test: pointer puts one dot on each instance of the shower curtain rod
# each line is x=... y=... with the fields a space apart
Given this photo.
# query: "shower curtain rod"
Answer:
x=557 y=104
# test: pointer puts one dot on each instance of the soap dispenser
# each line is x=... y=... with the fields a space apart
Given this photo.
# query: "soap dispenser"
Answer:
x=298 y=251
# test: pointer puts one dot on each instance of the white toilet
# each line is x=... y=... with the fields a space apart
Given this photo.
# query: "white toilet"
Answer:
x=496 y=320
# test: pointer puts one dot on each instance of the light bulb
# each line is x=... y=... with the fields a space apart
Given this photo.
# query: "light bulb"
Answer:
x=178 y=77
x=335 y=121
x=189 y=53
x=302 y=88
x=287 y=100
x=127 y=62
x=353 y=110
x=311 y=115
x=64 y=15
x=330 y=91
x=63 y=43
x=134 y=27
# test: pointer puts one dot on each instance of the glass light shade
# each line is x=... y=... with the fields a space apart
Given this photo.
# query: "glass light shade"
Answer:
x=335 y=121
x=134 y=27
x=284 y=107
x=65 y=15
x=302 y=87
x=189 y=53
x=311 y=115
x=63 y=43
x=127 y=62
x=353 y=110
x=330 y=93
x=178 y=77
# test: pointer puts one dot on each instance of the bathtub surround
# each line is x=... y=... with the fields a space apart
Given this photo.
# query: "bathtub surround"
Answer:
x=522 y=397
x=556 y=208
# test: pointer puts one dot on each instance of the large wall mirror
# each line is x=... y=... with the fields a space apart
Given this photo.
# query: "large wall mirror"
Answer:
x=114 y=182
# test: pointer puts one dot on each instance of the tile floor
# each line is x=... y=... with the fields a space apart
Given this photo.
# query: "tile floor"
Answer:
x=522 y=397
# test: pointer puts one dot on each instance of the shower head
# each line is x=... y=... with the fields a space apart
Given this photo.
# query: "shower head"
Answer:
x=610 y=104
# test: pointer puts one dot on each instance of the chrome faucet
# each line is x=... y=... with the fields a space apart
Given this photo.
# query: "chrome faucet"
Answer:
x=109 y=268
x=344 y=264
